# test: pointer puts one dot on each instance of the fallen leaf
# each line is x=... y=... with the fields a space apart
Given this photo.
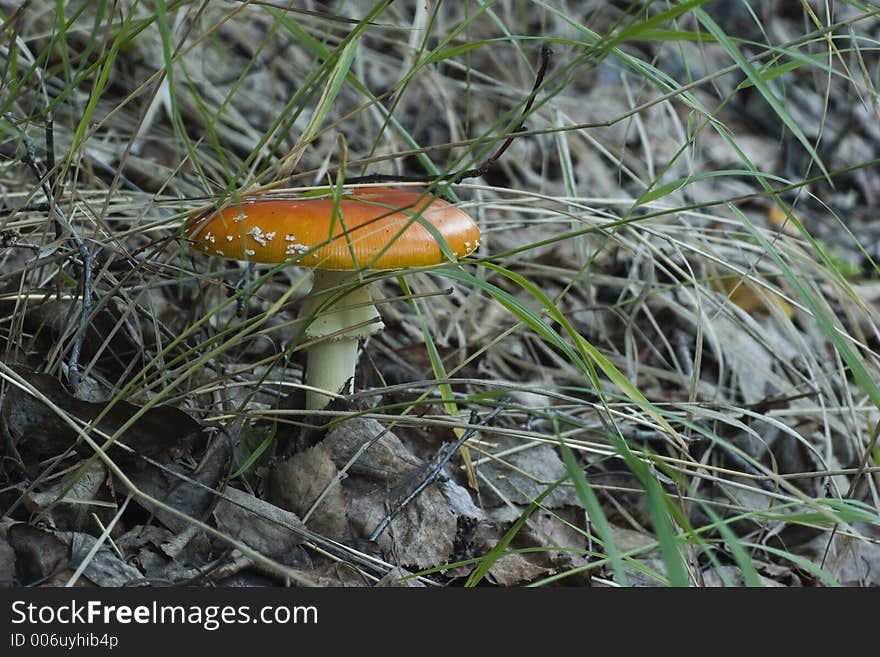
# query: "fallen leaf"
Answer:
x=853 y=562
x=296 y=483
x=74 y=512
x=752 y=298
x=376 y=452
x=104 y=568
x=190 y=493
x=753 y=362
x=143 y=535
x=716 y=576
x=460 y=501
x=39 y=554
x=7 y=564
x=41 y=433
x=513 y=569
x=421 y=535
x=394 y=578
x=337 y=575
x=510 y=569
x=522 y=476
x=262 y=526
x=781 y=222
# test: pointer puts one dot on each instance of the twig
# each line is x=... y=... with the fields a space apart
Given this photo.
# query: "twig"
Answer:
x=51 y=174
x=343 y=472
x=484 y=168
x=30 y=207
x=247 y=277
x=61 y=222
x=440 y=460
x=863 y=467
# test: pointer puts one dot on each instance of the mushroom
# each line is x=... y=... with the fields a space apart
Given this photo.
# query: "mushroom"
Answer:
x=376 y=228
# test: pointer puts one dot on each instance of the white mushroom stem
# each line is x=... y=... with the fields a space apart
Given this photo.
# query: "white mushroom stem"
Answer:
x=339 y=322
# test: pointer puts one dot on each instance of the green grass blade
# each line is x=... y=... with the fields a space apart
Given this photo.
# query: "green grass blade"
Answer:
x=500 y=548
x=594 y=511
x=760 y=83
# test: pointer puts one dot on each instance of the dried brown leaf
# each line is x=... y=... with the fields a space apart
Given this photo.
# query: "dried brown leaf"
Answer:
x=143 y=535
x=190 y=493
x=379 y=454
x=39 y=554
x=422 y=535
x=524 y=475
x=41 y=433
x=712 y=577
x=337 y=574
x=262 y=526
x=7 y=564
x=513 y=569
x=460 y=500
x=394 y=578
x=295 y=484
x=103 y=568
x=73 y=512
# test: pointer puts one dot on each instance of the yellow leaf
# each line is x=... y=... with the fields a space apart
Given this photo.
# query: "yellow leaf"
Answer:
x=752 y=298
x=783 y=222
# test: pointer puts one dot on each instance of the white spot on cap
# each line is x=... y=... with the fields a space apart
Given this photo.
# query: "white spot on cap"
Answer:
x=290 y=238
x=293 y=249
x=270 y=235
x=249 y=252
x=229 y=238
x=257 y=233
x=219 y=252
x=209 y=237
x=241 y=216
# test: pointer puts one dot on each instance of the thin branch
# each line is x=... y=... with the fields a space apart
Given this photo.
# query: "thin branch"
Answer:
x=61 y=222
x=483 y=169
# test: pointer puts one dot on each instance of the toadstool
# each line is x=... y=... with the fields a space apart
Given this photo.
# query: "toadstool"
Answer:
x=377 y=228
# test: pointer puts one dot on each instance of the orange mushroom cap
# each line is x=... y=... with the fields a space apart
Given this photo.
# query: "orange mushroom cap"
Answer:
x=375 y=228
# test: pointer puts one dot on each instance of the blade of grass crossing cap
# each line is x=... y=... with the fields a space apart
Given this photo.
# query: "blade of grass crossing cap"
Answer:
x=445 y=389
